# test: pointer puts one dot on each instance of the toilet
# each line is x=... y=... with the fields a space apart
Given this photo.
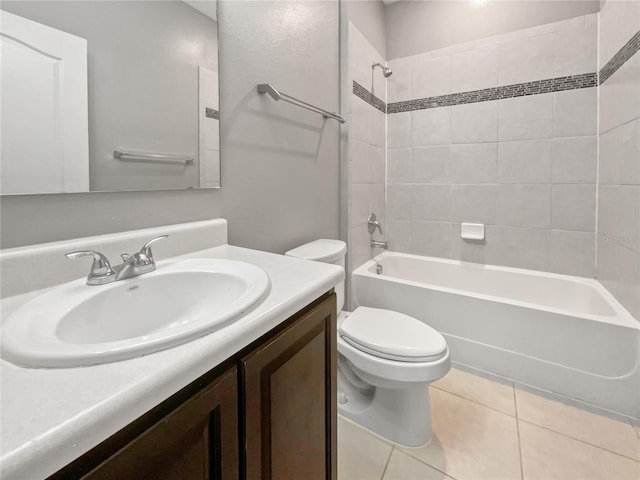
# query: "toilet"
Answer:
x=386 y=361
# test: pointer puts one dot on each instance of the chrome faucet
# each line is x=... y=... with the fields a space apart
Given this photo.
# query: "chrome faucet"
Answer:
x=372 y=224
x=132 y=265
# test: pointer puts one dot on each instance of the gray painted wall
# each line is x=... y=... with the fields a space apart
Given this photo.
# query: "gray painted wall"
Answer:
x=416 y=27
x=279 y=163
x=369 y=17
x=137 y=52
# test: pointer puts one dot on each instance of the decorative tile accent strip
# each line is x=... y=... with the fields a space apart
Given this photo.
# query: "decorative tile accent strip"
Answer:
x=211 y=113
x=538 y=87
x=368 y=97
x=619 y=59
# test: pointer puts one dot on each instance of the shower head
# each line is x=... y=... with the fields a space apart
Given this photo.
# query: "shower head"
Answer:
x=385 y=70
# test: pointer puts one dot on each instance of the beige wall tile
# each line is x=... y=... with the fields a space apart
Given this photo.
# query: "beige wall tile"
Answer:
x=474 y=163
x=483 y=62
x=432 y=239
x=475 y=122
x=576 y=113
x=430 y=127
x=431 y=77
x=526 y=161
x=526 y=59
x=525 y=118
x=430 y=164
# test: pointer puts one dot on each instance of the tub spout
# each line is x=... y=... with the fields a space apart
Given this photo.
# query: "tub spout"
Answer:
x=378 y=244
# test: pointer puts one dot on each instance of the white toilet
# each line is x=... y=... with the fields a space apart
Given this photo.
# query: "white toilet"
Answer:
x=386 y=361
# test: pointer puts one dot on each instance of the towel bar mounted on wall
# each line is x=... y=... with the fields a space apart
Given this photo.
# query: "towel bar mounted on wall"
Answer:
x=152 y=157
x=276 y=95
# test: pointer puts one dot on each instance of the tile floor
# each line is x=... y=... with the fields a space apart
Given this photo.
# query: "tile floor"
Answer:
x=489 y=429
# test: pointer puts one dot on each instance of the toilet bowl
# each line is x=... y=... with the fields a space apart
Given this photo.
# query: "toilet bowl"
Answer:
x=386 y=361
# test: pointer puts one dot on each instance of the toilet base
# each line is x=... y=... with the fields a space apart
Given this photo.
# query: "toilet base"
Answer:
x=402 y=416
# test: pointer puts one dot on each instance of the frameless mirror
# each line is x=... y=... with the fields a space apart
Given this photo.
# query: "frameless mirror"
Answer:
x=108 y=96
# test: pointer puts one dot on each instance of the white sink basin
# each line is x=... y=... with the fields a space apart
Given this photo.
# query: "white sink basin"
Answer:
x=75 y=324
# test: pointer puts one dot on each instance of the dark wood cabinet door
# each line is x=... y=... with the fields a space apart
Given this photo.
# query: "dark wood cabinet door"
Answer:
x=198 y=440
x=289 y=386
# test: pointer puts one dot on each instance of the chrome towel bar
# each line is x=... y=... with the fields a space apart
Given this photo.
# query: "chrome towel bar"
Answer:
x=276 y=95
x=154 y=157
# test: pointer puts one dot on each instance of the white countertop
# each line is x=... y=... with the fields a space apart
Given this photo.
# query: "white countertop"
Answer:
x=49 y=417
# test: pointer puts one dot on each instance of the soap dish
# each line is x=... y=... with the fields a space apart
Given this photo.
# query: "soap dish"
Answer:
x=472 y=231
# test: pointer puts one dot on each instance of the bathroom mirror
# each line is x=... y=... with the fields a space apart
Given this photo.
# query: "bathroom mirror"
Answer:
x=108 y=96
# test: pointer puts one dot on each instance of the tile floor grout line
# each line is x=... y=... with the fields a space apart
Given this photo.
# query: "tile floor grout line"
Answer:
x=634 y=429
x=547 y=394
x=474 y=401
x=386 y=465
x=372 y=434
x=423 y=462
x=515 y=406
x=537 y=425
x=579 y=440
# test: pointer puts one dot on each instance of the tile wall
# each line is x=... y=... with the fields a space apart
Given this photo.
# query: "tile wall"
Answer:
x=367 y=145
x=208 y=128
x=500 y=131
x=618 y=247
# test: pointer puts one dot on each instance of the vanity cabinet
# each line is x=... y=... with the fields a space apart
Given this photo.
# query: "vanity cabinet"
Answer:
x=290 y=406
x=198 y=440
x=269 y=412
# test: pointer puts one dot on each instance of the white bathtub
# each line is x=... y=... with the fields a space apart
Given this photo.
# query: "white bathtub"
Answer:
x=564 y=334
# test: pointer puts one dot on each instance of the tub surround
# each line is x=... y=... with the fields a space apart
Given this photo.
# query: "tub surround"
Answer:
x=500 y=131
x=55 y=415
x=366 y=105
x=530 y=133
x=618 y=246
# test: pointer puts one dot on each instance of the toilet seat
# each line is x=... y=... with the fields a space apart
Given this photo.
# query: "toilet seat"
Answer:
x=392 y=335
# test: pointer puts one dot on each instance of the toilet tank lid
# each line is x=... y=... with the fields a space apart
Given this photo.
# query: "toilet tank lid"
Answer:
x=323 y=250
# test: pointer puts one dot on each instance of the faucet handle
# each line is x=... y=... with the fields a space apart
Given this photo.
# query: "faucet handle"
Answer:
x=146 y=249
x=373 y=223
x=101 y=271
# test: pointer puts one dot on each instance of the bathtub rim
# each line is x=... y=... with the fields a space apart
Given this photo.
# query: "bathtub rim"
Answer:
x=620 y=318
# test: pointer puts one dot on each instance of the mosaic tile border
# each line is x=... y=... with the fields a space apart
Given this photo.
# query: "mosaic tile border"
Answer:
x=620 y=58
x=211 y=113
x=558 y=84
x=361 y=92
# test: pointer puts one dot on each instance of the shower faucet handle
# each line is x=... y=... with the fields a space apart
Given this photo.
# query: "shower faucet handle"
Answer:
x=373 y=223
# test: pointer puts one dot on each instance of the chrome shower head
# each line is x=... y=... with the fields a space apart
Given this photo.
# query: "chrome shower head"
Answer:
x=385 y=70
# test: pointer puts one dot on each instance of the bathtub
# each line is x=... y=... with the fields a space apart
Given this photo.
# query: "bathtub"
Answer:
x=563 y=334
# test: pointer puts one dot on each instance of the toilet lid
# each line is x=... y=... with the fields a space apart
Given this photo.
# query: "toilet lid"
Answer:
x=392 y=335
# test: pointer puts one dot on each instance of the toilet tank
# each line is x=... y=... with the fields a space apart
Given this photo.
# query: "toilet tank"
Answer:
x=327 y=251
